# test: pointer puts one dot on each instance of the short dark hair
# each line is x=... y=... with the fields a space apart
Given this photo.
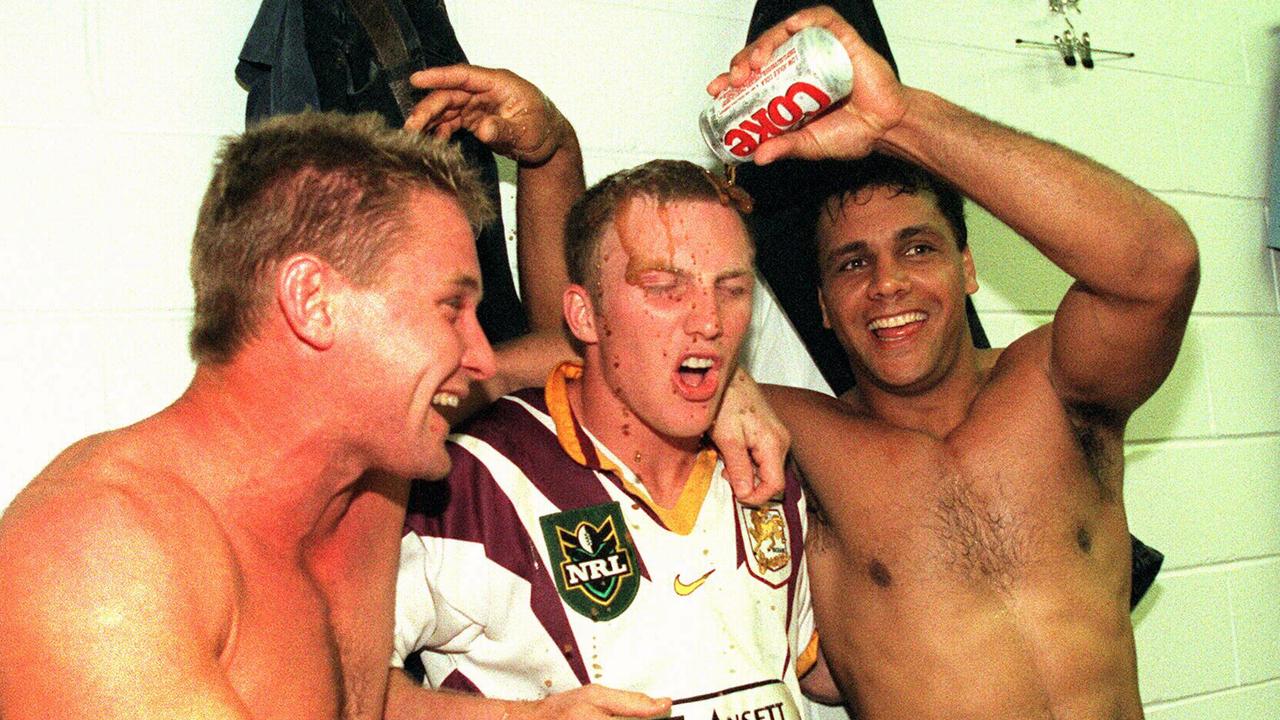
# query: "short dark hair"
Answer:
x=661 y=180
x=325 y=183
x=843 y=181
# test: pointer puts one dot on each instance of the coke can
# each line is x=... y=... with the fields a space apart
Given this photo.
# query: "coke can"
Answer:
x=807 y=74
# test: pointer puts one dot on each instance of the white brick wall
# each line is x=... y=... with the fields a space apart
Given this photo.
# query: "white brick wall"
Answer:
x=112 y=109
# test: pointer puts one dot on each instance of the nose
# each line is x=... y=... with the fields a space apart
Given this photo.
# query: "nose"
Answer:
x=889 y=279
x=477 y=354
x=703 y=317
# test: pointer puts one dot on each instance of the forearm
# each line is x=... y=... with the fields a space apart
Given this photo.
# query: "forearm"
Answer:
x=1115 y=237
x=406 y=700
x=544 y=194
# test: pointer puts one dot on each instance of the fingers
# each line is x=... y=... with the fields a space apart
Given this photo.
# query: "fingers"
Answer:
x=435 y=107
x=593 y=702
x=770 y=458
x=472 y=78
x=625 y=703
x=738 y=468
x=791 y=145
x=747 y=61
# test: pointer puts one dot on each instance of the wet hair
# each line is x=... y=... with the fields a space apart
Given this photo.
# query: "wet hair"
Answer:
x=328 y=184
x=844 y=181
x=662 y=180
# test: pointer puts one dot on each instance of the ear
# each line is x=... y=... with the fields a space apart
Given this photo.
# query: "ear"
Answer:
x=822 y=306
x=304 y=291
x=580 y=314
x=970 y=274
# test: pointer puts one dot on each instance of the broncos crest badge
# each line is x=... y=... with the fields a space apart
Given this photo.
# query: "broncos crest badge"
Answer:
x=766 y=542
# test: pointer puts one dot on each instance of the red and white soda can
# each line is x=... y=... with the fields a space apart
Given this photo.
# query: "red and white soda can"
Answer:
x=806 y=75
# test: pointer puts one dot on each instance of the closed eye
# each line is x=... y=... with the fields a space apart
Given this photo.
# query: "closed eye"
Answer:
x=453 y=306
x=659 y=283
x=735 y=290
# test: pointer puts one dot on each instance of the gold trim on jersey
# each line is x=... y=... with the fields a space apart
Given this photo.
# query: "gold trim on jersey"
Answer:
x=679 y=518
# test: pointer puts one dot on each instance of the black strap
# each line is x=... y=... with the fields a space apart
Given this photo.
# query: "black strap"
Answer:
x=396 y=42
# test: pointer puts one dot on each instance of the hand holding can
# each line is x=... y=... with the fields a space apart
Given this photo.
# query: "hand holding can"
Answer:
x=806 y=75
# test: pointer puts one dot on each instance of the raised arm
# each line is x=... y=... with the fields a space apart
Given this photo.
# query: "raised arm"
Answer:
x=1117 y=332
x=516 y=120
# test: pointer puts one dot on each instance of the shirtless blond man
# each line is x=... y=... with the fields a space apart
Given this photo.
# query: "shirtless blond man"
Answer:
x=233 y=556
x=972 y=557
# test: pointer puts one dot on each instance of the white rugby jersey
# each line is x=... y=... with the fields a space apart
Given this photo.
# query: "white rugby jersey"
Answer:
x=549 y=568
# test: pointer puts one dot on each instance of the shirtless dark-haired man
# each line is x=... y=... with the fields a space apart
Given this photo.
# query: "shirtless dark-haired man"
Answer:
x=972 y=558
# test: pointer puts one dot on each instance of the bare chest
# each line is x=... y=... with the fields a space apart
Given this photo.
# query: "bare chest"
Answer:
x=996 y=504
x=283 y=659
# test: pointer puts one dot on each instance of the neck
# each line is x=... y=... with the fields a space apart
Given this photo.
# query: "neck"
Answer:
x=662 y=463
x=936 y=409
x=271 y=464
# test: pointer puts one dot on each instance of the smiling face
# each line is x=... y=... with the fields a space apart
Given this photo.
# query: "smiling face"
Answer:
x=663 y=330
x=893 y=288
x=418 y=340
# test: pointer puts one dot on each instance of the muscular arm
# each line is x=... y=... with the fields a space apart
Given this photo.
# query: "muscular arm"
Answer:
x=1117 y=332
x=104 y=617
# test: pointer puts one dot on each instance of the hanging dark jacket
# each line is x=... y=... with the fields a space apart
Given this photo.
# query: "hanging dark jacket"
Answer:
x=315 y=54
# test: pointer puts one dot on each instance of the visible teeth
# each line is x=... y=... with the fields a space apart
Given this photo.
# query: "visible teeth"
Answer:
x=445 y=399
x=896 y=320
x=697 y=363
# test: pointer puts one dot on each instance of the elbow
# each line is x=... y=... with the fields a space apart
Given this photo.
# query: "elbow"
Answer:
x=1171 y=271
x=1183 y=262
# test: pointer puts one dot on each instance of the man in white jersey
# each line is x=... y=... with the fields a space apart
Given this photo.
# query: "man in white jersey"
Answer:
x=588 y=537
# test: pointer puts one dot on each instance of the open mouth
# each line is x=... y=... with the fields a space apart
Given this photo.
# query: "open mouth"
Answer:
x=694 y=370
x=445 y=399
x=892 y=327
x=696 y=378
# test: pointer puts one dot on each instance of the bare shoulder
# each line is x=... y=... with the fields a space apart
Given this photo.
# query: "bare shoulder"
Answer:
x=797 y=406
x=1029 y=353
x=115 y=560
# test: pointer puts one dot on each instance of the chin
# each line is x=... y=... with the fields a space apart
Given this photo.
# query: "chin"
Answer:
x=688 y=427
x=439 y=467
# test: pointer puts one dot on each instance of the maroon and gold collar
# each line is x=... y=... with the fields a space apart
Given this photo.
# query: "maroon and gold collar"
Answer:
x=578 y=444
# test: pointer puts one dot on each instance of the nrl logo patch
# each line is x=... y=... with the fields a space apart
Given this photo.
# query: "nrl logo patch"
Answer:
x=592 y=560
x=766 y=542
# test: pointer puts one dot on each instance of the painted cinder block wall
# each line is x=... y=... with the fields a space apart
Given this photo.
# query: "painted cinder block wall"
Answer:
x=112 y=110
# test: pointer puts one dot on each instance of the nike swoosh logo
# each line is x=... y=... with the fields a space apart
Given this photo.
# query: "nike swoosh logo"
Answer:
x=687 y=588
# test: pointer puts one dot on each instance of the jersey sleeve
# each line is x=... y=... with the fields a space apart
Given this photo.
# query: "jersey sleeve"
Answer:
x=437 y=573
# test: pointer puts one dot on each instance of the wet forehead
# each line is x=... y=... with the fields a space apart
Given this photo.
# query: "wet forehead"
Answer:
x=680 y=235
